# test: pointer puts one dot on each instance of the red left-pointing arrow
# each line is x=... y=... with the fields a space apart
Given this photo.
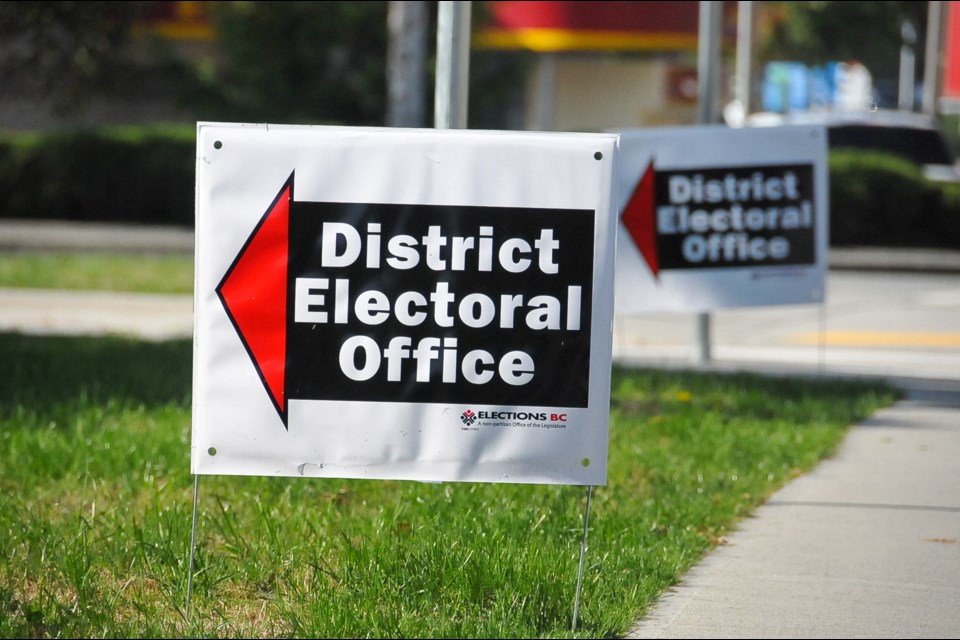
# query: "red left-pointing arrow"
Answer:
x=639 y=219
x=254 y=294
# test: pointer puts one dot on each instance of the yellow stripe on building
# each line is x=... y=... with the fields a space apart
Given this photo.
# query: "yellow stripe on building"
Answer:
x=544 y=40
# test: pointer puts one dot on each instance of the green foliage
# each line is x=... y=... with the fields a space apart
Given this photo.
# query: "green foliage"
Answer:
x=950 y=125
x=137 y=175
x=304 y=62
x=279 y=62
x=879 y=199
x=63 y=50
x=148 y=175
x=497 y=81
x=96 y=510
x=298 y=62
x=823 y=31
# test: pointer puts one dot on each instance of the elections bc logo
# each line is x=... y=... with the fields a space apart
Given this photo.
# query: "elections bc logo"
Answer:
x=469 y=417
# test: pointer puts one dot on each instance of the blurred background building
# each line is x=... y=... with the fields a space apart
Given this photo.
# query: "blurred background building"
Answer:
x=541 y=65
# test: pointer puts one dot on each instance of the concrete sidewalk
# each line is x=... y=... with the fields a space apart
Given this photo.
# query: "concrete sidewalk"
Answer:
x=135 y=315
x=62 y=235
x=865 y=546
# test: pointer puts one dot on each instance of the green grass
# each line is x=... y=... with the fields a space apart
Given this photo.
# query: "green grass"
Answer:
x=96 y=503
x=145 y=273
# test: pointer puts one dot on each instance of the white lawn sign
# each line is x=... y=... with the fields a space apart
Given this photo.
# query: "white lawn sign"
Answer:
x=713 y=217
x=431 y=305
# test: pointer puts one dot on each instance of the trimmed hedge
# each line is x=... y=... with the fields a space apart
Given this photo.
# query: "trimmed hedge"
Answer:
x=130 y=175
x=148 y=175
x=879 y=199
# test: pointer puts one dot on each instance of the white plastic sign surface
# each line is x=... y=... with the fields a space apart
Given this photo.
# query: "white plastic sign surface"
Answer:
x=714 y=217
x=410 y=304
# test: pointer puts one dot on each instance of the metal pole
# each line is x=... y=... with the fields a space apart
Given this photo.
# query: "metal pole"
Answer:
x=546 y=90
x=744 y=70
x=906 y=87
x=708 y=67
x=703 y=338
x=583 y=552
x=406 y=62
x=931 y=57
x=453 y=65
x=708 y=60
x=193 y=542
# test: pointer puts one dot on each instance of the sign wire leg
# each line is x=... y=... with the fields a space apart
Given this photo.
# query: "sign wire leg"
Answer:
x=583 y=551
x=193 y=543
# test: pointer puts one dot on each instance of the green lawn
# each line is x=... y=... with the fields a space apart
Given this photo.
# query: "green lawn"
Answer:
x=97 y=500
x=146 y=273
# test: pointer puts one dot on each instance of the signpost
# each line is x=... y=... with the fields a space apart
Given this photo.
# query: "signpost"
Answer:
x=429 y=305
x=713 y=217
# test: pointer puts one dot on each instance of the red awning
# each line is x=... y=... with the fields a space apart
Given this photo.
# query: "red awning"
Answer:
x=589 y=25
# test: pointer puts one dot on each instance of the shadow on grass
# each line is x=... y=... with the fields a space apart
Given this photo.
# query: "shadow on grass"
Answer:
x=47 y=371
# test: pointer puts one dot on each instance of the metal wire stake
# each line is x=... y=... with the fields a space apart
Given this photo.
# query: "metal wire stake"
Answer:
x=583 y=551
x=193 y=542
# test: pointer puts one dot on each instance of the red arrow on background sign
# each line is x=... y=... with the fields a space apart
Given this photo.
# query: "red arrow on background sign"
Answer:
x=639 y=218
x=254 y=294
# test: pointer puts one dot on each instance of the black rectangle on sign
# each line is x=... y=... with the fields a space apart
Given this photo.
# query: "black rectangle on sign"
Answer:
x=735 y=217
x=439 y=304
